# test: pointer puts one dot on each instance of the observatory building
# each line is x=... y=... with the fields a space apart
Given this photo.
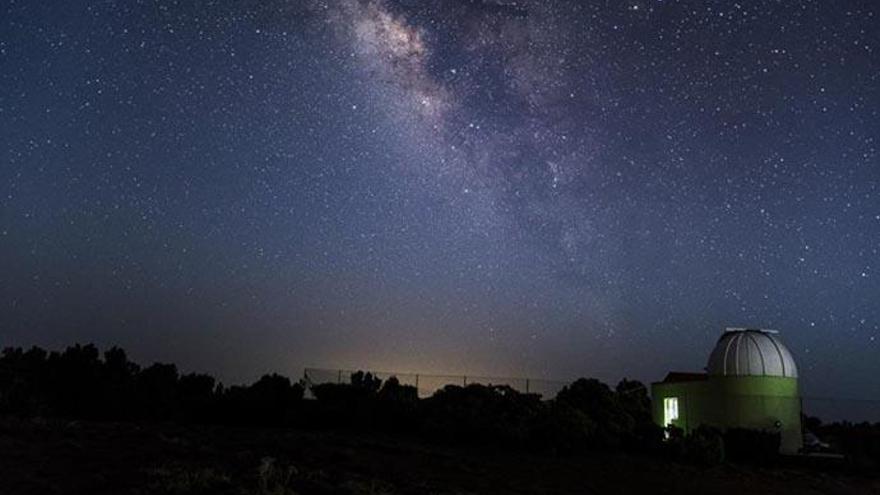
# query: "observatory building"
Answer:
x=750 y=382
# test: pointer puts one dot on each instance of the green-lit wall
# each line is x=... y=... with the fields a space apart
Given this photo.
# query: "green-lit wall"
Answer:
x=758 y=402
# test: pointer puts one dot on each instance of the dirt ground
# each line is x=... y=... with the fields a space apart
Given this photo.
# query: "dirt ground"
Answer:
x=53 y=457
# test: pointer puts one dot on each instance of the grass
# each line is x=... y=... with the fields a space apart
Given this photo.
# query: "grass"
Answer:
x=55 y=457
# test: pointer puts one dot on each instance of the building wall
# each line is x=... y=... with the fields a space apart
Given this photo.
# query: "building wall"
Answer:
x=758 y=402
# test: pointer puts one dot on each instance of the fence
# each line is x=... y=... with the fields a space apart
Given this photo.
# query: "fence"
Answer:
x=427 y=384
x=828 y=409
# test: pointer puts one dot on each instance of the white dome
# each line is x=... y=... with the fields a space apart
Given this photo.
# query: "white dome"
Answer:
x=744 y=352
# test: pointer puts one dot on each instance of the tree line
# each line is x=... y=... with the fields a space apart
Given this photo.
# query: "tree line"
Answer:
x=586 y=415
x=82 y=383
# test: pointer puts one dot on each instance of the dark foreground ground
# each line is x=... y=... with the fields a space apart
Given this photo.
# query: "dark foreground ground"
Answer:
x=47 y=457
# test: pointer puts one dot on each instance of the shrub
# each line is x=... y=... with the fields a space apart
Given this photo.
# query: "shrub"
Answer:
x=365 y=381
x=351 y=405
x=562 y=429
x=271 y=401
x=617 y=415
x=705 y=447
x=746 y=445
x=495 y=413
x=397 y=406
x=860 y=442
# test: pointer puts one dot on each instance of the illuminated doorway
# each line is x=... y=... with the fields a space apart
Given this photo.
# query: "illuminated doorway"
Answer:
x=670 y=410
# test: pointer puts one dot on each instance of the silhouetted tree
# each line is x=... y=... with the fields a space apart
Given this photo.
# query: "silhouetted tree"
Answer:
x=118 y=380
x=478 y=413
x=274 y=398
x=23 y=382
x=587 y=414
x=633 y=398
x=365 y=381
x=156 y=389
x=617 y=419
x=72 y=379
x=643 y=434
x=393 y=391
x=594 y=399
x=563 y=429
x=397 y=406
x=196 y=393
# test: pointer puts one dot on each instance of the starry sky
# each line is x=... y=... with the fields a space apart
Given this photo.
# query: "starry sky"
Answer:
x=545 y=189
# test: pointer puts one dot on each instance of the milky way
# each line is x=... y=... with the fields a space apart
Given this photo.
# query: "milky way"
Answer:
x=529 y=188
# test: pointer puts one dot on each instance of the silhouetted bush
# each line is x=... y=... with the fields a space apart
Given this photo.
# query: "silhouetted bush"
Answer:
x=632 y=395
x=594 y=399
x=563 y=429
x=272 y=401
x=365 y=403
x=705 y=447
x=811 y=423
x=274 y=398
x=622 y=417
x=478 y=413
x=702 y=447
x=745 y=445
x=352 y=405
x=196 y=393
x=392 y=391
x=24 y=386
x=362 y=388
x=644 y=435
x=72 y=379
x=156 y=391
x=365 y=381
x=860 y=442
x=708 y=446
x=397 y=406
x=119 y=375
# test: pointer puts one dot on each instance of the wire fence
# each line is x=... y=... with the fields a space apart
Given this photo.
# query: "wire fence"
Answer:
x=828 y=409
x=426 y=384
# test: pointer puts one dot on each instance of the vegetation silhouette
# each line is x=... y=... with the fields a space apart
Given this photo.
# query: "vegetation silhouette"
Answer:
x=585 y=416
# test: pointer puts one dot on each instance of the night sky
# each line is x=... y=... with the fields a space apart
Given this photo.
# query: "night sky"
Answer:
x=545 y=189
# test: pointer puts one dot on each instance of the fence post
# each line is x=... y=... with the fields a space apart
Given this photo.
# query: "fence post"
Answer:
x=339 y=376
x=464 y=381
x=527 y=385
